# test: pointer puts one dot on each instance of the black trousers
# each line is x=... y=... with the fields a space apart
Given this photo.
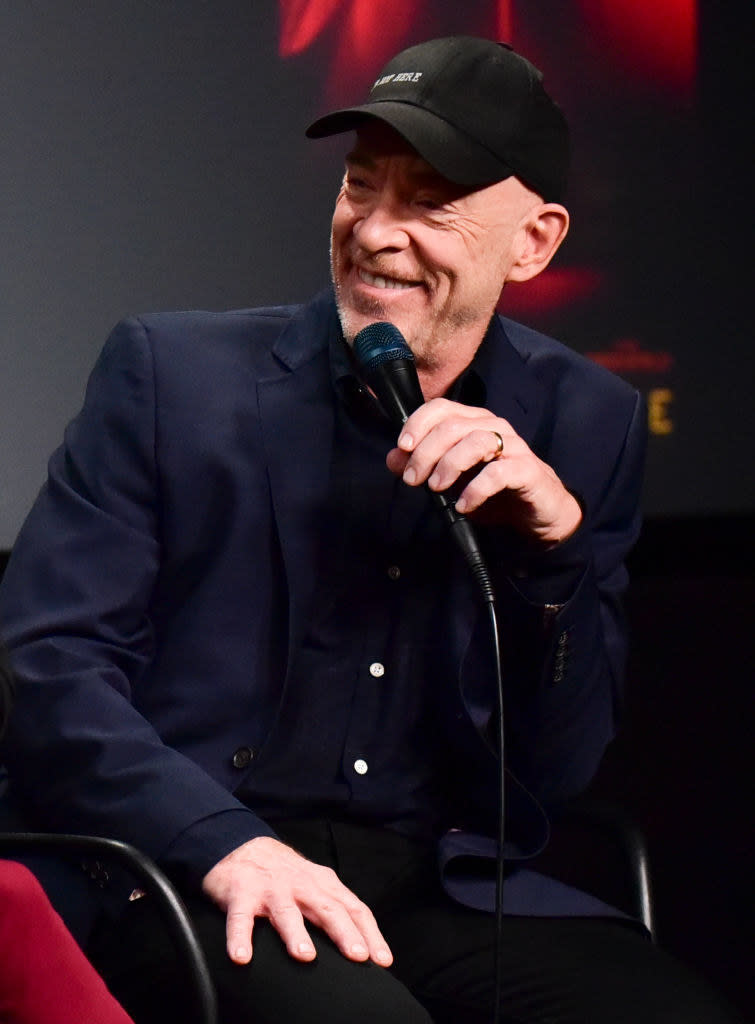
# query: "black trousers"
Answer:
x=556 y=971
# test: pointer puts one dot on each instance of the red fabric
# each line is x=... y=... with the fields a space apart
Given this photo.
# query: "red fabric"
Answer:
x=44 y=976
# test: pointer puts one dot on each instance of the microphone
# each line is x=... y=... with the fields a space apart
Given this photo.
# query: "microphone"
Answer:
x=388 y=368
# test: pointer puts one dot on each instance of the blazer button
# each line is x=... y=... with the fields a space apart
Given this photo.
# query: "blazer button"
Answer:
x=243 y=757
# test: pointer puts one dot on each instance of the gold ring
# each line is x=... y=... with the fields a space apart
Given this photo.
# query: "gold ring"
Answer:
x=499 y=445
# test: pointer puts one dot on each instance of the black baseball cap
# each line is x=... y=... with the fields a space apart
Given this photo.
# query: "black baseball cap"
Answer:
x=474 y=109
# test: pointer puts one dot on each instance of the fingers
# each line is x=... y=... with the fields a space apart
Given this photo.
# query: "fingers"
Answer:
x=493 y=479
x=437 y=427
x=287 y=919
x=266 y=878
x=327 y=903
x=347 y=920
x=443 y=440
x=239 y=925
x=451 y=446
x=434 y=413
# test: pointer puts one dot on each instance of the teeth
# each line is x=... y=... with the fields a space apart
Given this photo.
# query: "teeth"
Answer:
x=383 y=282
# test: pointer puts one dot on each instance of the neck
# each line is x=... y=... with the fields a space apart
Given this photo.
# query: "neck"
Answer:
x=436 y=383
x=437 y=378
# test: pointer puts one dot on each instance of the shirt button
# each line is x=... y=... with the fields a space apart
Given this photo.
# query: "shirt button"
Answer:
x=377 y=670
x=360 y=767
x=394 y=572
x=243 y=757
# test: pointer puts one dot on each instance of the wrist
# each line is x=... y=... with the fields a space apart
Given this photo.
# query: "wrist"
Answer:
x=567 y=524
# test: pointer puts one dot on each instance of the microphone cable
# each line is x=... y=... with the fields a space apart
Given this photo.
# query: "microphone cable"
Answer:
x=387 y=367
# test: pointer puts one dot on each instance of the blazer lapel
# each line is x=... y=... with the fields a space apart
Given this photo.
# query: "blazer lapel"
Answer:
x=513 y=391
x=296 y=414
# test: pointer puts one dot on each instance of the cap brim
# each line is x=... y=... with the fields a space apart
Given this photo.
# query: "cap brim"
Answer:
x=452 y=153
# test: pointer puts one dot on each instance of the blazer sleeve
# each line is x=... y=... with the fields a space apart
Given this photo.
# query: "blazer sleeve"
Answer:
x=564 y=717
x=563 y=630
x=74 y=611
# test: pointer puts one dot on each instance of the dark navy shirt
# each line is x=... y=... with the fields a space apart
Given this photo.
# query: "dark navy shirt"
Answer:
x=356 y=736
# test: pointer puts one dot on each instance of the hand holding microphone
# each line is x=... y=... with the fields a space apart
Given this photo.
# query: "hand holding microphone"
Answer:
x=442 y=443
x=387 y=365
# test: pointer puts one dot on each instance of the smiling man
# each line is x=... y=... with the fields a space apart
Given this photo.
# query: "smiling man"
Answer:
x=429 y=255
x=245 y=643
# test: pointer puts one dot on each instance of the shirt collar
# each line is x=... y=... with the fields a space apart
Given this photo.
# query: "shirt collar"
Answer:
x=354 y=396
x=470 y=388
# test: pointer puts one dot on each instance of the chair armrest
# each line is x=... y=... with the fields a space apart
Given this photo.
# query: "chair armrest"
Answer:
x=616 y=824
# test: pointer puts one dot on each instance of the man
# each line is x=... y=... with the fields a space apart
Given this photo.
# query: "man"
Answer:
x=247 y=647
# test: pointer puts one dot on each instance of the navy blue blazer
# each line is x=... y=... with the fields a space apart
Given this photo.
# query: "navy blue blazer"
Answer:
x=162 y=582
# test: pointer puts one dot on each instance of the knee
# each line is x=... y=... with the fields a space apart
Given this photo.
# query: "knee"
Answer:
x=18 y=886
x=23 y=902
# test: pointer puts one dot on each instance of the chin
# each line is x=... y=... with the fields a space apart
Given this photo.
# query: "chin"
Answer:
x=357 y=311
x=354 y=319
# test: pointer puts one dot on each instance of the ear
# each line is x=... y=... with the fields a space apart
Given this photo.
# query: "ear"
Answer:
x=543 y=232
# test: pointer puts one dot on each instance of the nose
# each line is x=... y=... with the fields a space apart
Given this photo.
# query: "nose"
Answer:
x=383 y=227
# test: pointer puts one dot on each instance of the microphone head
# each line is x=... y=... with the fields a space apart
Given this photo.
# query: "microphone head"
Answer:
x=380 y=343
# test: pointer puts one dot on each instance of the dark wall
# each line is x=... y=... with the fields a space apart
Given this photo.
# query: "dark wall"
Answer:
x=151 y=157
x=683 y=764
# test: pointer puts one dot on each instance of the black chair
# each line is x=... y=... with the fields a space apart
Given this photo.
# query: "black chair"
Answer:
x=99 y=853
x=596 y=847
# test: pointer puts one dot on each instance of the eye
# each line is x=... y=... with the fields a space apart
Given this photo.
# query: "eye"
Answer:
x=356 y=182
x=428 y=203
